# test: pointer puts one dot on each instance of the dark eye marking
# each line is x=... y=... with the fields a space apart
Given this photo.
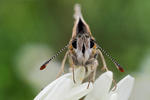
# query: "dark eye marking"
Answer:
x=74 y=44
x=79 y=35
x=91 y=44
x=86 y=36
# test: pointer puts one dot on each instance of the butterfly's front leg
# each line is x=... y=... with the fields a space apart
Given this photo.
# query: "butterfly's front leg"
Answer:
x=63 y=64
x=103 y=60
x=73 y=63
x=92 y=70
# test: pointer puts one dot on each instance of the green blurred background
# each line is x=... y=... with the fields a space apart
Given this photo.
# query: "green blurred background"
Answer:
x=121 y=27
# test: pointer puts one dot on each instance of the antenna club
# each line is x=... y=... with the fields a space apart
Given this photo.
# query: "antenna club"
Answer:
x=43 y=67
x=121 y=69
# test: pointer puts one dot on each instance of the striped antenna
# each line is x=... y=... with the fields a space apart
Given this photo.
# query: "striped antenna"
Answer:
x=117 y=65
x=45 y=64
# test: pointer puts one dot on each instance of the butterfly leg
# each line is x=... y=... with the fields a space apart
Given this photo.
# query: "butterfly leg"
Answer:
x=92 y=72
x=72 y=60
x=63 y=63
x=105 y=66
x=103 y=60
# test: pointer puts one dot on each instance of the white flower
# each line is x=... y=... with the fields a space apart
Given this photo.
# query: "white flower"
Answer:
x=64 y=88
x=102 y=85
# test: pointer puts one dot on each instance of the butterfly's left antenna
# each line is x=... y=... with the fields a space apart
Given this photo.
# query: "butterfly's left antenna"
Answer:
x=45 y=64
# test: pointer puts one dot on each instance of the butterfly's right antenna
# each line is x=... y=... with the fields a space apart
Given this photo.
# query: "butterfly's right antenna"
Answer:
x=45 y=64
x=117 y=65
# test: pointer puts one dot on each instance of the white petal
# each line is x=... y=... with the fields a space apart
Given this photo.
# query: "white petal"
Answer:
x=113 y=96
x=101 y=87
x=124 y=88
x=59 y=90
x=48 y=88
x=78 y=92
x=78 y=75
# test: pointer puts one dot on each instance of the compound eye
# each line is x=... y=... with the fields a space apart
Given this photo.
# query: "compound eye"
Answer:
x=91 y=44
x=86 y=36
x=74 y=44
